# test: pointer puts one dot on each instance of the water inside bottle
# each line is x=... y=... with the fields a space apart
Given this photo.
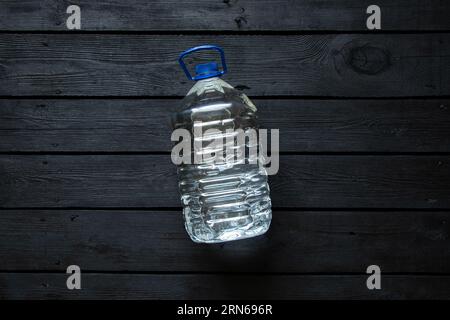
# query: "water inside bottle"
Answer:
x=229 y=199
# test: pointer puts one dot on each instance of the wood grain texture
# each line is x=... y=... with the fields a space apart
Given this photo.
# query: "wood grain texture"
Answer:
x=155 y=241
x=279 y=15
x=142 y=286
x=102 y=125
x=118 y=215
x=150 y=181
x=357 y=65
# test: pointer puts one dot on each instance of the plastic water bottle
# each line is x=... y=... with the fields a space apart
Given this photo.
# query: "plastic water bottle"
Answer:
x=222 y=200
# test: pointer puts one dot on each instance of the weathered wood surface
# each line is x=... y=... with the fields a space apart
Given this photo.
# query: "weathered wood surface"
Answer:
x=329 y=219
x=101 y=125
x=297 y=242
x=357 y=65
x=341 y=181
x=172 y=286
x=234 y=15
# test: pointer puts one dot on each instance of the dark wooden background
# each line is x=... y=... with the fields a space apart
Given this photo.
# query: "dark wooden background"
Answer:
x=86 y=176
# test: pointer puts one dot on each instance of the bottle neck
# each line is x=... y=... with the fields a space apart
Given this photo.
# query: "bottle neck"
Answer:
x=213 y=84
x=208 y=79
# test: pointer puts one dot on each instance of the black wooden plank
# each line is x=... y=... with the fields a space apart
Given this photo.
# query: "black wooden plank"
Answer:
x=150 y=181
x=173 y=286
x=298 y=242
x=233 y=15
x=305 y=125
x=366 y=65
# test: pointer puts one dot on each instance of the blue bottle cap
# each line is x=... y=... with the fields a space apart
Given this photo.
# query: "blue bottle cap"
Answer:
x=204 y=70
x=207 y=70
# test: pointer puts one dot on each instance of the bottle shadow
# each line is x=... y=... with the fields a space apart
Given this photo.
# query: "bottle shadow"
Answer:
x=239 y=269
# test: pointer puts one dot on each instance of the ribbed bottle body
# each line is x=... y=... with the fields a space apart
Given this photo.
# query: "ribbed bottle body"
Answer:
x=224 y=191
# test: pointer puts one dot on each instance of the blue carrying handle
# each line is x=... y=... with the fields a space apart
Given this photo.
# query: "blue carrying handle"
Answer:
x=202 y=48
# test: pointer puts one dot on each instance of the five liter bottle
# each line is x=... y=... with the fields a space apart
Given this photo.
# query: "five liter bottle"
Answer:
x=224 y=198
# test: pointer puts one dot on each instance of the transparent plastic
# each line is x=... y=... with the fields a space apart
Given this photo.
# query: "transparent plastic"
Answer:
x=228 y=200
